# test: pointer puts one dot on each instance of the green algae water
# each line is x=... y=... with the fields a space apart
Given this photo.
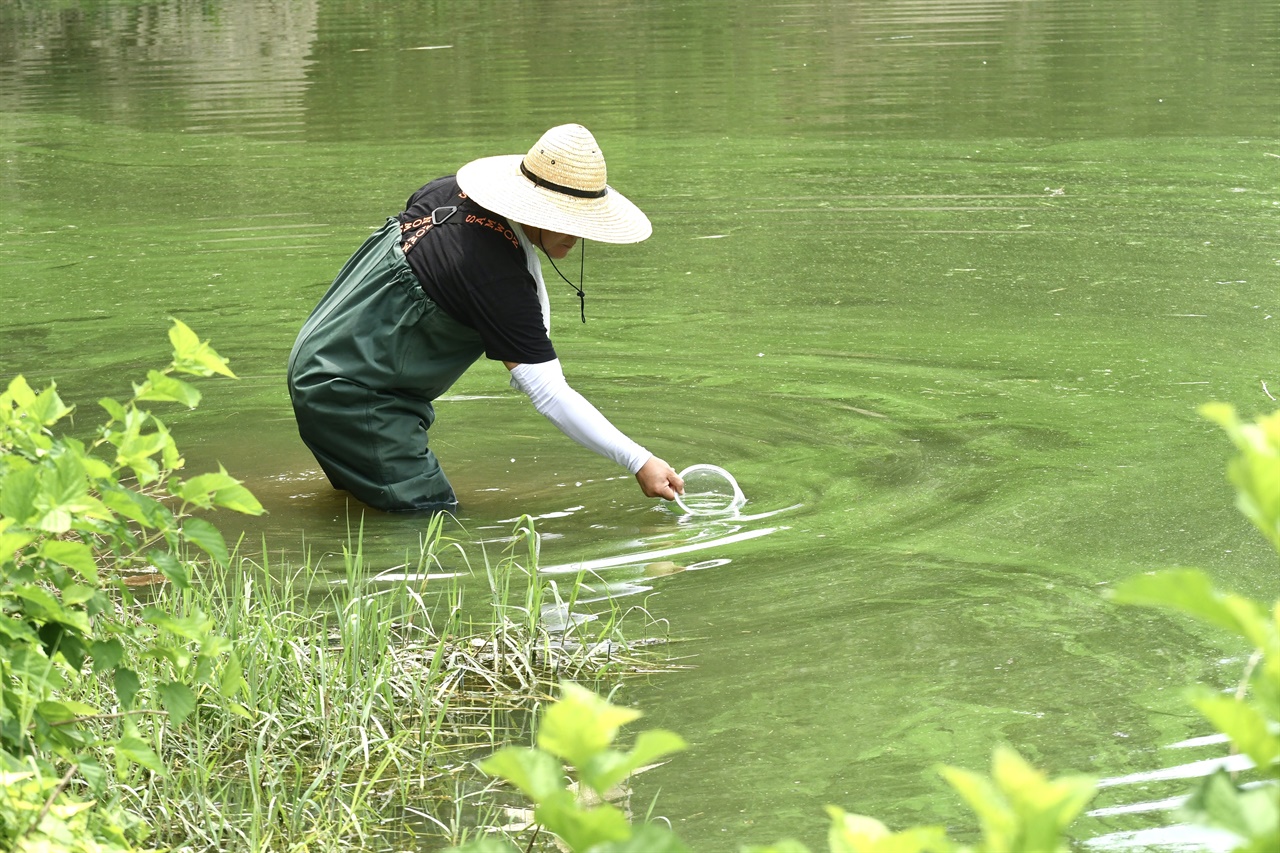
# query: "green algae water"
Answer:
x=940 y=283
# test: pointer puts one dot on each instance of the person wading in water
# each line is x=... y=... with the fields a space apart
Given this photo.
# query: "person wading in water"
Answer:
x=452 y=278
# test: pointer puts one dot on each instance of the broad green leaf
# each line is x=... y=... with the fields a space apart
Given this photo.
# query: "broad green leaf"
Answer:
x=68 y=644
x=1217 y=803
x=239 y=710
x=94 y=774
x=581 y=724
x=143 y=467
x=193 y=627
x=56 y=520
x=537 y=774
x=238 y=499
x=67 y=483
x=64 y=500
x=199 y=490
x=47 y=408
x=1242 y=723
x=1190 y=591
x=43 y=605
x=106 y=654
x=140 y=445
x=18 y=492
x=14 y=540
x=143 y=509
x=76 y=556
x=19 y=393
x=1266 y=843
x=99 y=472
x=67 y=810
x=64 y=710
x=40 y=602
x=214 y=647
x=178 y=657
x=169 y=455
x=127 y=686
x=1261 y=808
x=1255 y=472
x=190 y=355
x=172 y=568
x=219 y=489
x=208 y=538
x=231 y=679
x=163 y=388
x=78 y=594
x=113 y=408
x=17 y=631
x=580 y=828
x=183 y=339
x=994 y=814
x=123 y=503
x=851 y=833
x=1044 y=807
x=608 y=768
x=30 y=667
x=177 y=699
x=134 y=749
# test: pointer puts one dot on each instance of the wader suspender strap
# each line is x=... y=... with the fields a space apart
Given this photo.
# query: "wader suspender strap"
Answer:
x=439 y=216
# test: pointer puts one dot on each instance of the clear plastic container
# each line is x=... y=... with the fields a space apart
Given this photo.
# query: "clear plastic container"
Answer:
x=709 y=490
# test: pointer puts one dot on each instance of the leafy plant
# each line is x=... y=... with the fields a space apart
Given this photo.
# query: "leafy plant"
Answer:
x=574 y=805
x=1019 y=809
x=77 y=519
x=52 y=821
x=1250 y=715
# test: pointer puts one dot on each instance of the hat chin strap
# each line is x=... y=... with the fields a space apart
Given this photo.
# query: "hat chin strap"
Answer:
x=582 y=297
x=539 y=181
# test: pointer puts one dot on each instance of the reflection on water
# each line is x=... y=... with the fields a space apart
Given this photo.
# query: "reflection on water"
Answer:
x=942 y=283
x=186 y=66
x=696 y=536
x=702 y=536
x=1178 y=836
x=295 y=69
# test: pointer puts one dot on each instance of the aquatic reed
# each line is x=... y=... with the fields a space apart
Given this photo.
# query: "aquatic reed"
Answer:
x=365 y=701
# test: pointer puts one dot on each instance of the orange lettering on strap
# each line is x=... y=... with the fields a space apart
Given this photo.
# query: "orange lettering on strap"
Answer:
x=493 y=225
x=412 y=241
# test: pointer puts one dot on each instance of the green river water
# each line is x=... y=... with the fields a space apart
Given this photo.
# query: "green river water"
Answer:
x=942 y=282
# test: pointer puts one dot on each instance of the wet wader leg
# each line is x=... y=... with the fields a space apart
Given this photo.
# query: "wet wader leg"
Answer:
x=362 y=373
x=374 y=445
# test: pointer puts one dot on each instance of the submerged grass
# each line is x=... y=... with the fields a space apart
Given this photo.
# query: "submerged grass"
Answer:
x=366 y=702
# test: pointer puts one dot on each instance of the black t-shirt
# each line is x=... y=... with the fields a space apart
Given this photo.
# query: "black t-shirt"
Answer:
x=473 y=267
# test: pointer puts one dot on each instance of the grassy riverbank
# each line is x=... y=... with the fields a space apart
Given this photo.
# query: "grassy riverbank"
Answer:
x=365 y=703
x=159 y=688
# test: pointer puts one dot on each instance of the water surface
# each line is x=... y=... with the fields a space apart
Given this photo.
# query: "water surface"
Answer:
x=941 y=283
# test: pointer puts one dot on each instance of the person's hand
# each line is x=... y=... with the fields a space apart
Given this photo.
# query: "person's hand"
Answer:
x=657 y=479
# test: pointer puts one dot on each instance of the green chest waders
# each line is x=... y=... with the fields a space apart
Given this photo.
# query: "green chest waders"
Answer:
x=365 y=369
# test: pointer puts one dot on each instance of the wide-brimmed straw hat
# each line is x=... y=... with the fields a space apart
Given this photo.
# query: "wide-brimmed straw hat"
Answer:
x=560 y=186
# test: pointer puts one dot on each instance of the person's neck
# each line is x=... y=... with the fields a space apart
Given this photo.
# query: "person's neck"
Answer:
x=533 y=233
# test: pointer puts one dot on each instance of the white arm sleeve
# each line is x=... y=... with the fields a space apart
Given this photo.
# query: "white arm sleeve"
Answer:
x=574 y=416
